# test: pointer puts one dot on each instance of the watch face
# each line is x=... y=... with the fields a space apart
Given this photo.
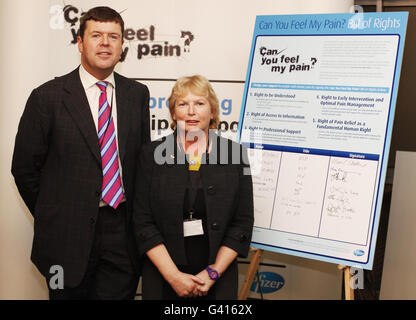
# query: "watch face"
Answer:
x=213 y=274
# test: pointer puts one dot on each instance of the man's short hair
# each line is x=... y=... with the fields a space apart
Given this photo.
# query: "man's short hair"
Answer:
x=102 y=14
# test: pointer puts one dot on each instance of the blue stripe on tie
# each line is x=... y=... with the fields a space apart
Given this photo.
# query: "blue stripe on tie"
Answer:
x=110 y=183
x=108 y=144
x=109 y=164
x=102 y=83
x=102 y=108
x=116 y=196
x=104 y=127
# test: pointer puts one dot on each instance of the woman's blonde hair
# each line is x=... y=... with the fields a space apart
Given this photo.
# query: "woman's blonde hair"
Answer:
x=200 y=86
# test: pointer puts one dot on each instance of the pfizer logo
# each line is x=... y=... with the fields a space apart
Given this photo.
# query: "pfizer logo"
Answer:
x=359 y=252
x=269 y=282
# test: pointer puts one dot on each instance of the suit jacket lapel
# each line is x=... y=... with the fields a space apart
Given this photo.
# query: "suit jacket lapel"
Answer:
x=76 y=102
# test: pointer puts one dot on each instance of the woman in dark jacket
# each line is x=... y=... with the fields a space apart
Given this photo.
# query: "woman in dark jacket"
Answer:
x=193 y=210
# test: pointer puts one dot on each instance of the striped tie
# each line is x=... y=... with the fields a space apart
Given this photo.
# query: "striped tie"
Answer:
x=112 y=191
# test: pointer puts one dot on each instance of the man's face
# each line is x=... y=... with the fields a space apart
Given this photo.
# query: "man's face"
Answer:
x=101 y=47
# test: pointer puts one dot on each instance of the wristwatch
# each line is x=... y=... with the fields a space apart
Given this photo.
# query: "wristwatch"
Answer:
x=212 y=273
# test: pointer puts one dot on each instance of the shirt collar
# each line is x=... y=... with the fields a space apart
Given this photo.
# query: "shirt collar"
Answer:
x=89 y=80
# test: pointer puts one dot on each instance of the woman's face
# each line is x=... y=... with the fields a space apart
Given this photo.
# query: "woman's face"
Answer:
x=193 y=113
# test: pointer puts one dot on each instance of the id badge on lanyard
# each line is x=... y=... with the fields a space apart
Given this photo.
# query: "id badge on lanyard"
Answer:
x=191 y=226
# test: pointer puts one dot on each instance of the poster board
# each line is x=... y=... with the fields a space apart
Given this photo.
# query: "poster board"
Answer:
x=317 y=115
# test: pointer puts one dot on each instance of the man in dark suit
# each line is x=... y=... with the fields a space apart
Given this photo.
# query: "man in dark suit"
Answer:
x=74 y=164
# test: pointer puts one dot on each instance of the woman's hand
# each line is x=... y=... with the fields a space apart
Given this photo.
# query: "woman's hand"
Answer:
x=182 y=283
x=185 y=284
x=224 y=258
x=202 y=290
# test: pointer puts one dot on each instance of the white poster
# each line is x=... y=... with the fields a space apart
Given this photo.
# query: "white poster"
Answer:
x=317 y=114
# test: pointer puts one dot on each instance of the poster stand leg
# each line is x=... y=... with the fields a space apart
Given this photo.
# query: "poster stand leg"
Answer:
x=349 y=292
x=259 y=283
x=252 y=270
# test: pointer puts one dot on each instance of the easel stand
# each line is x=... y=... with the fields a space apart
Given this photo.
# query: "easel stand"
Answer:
x=349 y=292
x=252 y=270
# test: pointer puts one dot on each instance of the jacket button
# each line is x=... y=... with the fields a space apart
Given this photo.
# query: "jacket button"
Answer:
x=92 y=220
x=215 y=226
x=211 y=190
x=243 y=238
x=97 y=193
